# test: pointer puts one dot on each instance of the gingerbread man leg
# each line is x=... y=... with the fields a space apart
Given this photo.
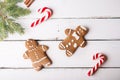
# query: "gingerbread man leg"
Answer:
x=46 y=62
x=36 y=67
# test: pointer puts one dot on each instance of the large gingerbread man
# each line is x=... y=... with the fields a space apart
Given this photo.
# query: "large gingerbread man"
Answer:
x=74 y=39
x=37 y=54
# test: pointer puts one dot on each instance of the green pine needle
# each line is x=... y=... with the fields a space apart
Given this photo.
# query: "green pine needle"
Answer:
x=9 y=11
x=13 y=1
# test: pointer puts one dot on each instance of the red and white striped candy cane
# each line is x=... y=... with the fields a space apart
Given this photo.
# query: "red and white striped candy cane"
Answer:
x=101 y=61
x=47 y=14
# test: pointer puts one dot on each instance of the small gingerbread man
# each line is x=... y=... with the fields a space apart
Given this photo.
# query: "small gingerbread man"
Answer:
x=74 y=39
x=37 y=54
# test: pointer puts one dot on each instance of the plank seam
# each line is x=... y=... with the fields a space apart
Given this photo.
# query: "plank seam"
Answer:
x=62 y=40
x=80 y=18
x=59 y=68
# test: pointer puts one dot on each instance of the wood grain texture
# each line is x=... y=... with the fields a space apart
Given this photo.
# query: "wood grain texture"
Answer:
x=78 y=8
x=12 y=51
x=53 y=29
x=59 y=74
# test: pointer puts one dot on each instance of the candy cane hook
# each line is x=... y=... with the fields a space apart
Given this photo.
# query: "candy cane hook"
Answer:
x=47 y=14
x=99 y=63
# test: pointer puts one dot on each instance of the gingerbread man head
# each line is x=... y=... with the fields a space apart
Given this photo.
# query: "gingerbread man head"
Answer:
x=74 y=39
x=29 y=44
x=37 y=54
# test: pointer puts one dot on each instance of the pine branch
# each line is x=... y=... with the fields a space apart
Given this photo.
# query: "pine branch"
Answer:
x=14 y=27
x=12 y=1
x=3 y=30
x=8 y=12
x=16 y=11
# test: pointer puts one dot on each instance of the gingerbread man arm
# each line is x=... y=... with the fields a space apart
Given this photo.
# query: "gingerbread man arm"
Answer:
x=25 y=55
x=69 y=32
x=83 y=31
x=61 y=46
x=83 y=43
x=44 y=47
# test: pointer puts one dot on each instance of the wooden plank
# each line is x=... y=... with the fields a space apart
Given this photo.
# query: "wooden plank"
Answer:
x=59 y=74
x=54 y=29
x=11 y=54
x=78 y=8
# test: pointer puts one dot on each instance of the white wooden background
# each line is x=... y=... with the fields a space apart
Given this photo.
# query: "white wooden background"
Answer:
x=102 y=17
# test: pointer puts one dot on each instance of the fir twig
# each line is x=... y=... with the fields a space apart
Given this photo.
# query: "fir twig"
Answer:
x=9 y=11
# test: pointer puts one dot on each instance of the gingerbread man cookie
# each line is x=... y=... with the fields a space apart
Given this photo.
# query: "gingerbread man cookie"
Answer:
x=37 y=54
x=74 y=39
x=28 y=2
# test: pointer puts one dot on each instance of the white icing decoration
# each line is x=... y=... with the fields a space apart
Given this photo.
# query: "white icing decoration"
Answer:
x=69 y=53
x=72 y=40
x=75 y=35
x=82 y=43
x=67 y=46
x=26 y=55
x=47 y=64
x=78 y=32
x=69 y=32
x=62 y=46
x=69 y=43
x=83 y=28
x=39 y=60
x=36 y=56
x=43 y=48
x=75 y=45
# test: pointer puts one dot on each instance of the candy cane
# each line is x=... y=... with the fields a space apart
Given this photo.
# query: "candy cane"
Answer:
x=101 y=61
x=47 y=14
